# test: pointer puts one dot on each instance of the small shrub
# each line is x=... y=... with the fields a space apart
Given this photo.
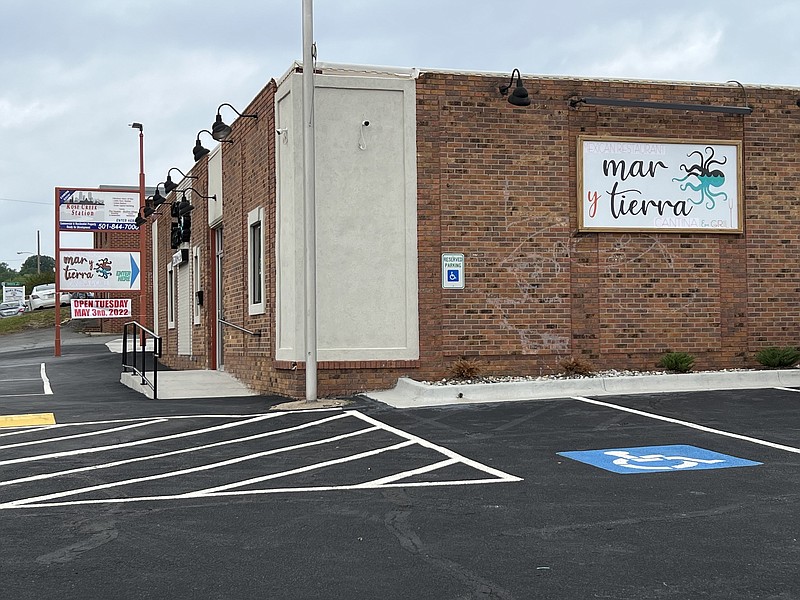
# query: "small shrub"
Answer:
x=466 y=368
x=778 y=358
x=577 y=366
x=677 y=362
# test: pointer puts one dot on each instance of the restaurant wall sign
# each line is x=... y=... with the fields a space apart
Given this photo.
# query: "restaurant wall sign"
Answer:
x=645 y=184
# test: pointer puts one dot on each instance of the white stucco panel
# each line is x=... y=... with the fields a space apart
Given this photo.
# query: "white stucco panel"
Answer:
x=367 y=306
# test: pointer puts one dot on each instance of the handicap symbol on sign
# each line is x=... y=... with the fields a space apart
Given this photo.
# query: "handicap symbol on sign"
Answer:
x=452 y=274
x=657 y=459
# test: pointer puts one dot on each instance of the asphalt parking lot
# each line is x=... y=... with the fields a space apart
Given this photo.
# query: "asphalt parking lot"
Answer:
x=691 y=495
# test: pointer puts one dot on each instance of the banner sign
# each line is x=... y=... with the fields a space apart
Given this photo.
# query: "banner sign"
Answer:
x=645 y=184
x=91 y=270
x=101 y=309
x=97 y=210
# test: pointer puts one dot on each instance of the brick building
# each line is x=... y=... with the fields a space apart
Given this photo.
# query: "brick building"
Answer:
x=413 y=164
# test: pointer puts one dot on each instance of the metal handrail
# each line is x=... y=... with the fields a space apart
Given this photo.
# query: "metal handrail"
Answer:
x=255 y=333
x=142 y=333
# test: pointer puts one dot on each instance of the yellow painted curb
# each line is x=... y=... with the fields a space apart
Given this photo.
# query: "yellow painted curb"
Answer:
x=27 y=420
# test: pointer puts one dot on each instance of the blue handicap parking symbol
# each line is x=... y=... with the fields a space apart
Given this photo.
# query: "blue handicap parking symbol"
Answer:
x=452 y=275
x=657 y=459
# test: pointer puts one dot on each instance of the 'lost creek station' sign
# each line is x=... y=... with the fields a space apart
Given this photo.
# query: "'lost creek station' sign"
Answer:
x=649 y=184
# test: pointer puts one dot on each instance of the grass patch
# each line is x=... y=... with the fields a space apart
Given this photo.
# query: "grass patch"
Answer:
x=37 y=319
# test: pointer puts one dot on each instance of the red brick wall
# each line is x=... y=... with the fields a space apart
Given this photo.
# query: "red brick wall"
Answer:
x=498 y=183
x=538 y=290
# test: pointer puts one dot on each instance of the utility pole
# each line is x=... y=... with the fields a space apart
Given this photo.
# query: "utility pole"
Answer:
x=309 y=177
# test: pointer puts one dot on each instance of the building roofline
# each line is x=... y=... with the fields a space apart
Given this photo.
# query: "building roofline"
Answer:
x=414 y=72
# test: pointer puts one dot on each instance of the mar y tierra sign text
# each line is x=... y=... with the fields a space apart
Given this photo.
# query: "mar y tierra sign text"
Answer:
x=82 y=270
x=652 y=184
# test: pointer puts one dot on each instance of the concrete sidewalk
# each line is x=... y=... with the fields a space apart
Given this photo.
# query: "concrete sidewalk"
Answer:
x=413 y=394
x=196 y=383
x=181 y=385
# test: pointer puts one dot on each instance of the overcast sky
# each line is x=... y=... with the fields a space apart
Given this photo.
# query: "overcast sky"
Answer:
x=75 y=73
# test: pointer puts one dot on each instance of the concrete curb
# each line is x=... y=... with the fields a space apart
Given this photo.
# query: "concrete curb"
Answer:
x=411 y=394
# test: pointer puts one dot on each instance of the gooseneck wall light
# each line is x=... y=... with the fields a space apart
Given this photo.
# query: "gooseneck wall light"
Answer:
x=184 y=207
x=519 y=97
x=220 y=131
x=170 y=185
x=158 y=199
x=199 y=150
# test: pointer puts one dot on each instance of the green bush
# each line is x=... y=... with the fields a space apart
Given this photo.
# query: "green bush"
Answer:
x=778 y=358
x=677 y=362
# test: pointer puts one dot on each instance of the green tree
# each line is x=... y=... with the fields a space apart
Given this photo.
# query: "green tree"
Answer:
x=7 y=273
x=31 y=266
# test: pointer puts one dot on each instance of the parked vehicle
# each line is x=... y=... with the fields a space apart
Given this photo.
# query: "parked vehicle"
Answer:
x=11 y=309
x=44 y=296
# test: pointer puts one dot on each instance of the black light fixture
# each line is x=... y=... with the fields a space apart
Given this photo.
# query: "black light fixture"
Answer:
x=170 y=185
x=519 y=97
x=140 y=220
x=199 y=150
x=158 y=199
x=184 y=207
x=148 y=210
x=220 y=131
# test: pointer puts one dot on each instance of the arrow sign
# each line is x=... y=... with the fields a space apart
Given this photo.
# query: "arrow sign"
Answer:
x=134 y=270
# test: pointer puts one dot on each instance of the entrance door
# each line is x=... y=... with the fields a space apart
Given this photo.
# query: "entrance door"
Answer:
x=220 y=350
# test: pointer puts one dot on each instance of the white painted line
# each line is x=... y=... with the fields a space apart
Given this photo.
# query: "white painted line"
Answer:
x=327 y=463
x=392 y=478
x=22 y=395
x=785 y=389
x=329 y=488
x=28 y=429
x=229 y=489
x=118 y=463
x=168 y=474
x=692 y=425
x=45 y=381
x=441 y=449
x=81 y=435
x=216 y=416
x=134 y=443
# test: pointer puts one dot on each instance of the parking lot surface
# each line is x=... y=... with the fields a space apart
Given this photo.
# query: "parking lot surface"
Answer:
x=690 y=495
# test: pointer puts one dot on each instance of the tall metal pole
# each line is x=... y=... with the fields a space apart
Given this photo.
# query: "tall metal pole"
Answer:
x=38 y=254
x=142 y=233
x=309 y=198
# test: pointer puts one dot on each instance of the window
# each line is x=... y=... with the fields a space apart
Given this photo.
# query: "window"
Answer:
x=255 y=261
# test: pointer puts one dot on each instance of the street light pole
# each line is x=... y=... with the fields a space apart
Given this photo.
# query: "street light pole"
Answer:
x=142 y=232
x=38 y=253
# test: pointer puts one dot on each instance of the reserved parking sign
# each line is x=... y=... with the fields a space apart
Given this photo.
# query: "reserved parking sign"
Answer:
x=452 y=270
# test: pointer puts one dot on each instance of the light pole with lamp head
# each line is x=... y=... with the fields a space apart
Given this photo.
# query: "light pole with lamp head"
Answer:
x=38 y=253
x=142 y=232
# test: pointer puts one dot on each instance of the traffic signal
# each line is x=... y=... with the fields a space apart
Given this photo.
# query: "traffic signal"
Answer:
x=175 y=236
x=185 y=226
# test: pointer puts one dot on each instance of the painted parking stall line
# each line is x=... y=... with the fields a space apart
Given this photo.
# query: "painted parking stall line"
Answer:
x=329 y=429
x=691 y=425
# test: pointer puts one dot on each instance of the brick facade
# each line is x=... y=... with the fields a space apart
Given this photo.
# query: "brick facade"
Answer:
x=499 y=184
